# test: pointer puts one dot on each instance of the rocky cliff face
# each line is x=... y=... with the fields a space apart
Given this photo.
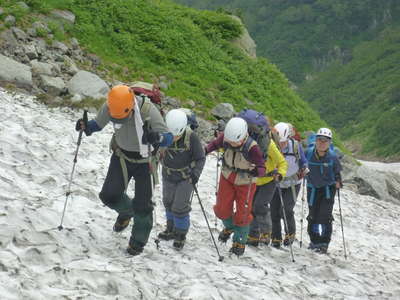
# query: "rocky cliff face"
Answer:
x=245 y=41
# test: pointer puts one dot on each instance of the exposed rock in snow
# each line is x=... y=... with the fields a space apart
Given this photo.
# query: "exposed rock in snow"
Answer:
x=15 y=72
x=377 y=182
x=87 y=84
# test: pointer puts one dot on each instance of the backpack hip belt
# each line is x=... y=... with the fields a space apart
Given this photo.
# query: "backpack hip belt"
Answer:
x=185 y=171
x=233 y=169
x=311 y=201
x=123 y=158
x=186 y=143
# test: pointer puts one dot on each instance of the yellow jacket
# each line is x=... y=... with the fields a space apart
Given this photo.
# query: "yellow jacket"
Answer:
x=275 y=160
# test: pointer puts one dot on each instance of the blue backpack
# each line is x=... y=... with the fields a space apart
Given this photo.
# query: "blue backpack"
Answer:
x=191 y=118
x=192 y=121
x=258 y=128
x=311 y=147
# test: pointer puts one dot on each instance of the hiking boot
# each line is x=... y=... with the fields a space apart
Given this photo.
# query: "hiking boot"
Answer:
x=121 y=223
x=276 y=243
x=166 y=235
x=134 y=249
x=312 y=246
x=322 y=249
x=289 y=239
x=237 y=248
x=252 y=241
x=179 y=241
x=265 y=238
x=224 y=235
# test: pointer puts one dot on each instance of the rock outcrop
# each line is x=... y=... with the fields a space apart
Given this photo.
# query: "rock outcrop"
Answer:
x=368 y=181
x=245 y=41
x=14 y=72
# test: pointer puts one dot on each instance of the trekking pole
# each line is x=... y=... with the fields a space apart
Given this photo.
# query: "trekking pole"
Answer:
x=78 y=143
x=284 y=218
x=302 y=212
x=216 y=187
x=220 y=258
x=152 y=179
x=341 y=223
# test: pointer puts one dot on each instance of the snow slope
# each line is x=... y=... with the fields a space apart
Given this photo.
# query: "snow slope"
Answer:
x=86 y=260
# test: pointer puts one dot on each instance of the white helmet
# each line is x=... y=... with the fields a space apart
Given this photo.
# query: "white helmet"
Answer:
x=324 y=132
x=176 y=121
x=283 y=131
x=235 y=130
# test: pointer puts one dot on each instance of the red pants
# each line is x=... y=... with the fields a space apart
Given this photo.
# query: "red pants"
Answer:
x=227 y=194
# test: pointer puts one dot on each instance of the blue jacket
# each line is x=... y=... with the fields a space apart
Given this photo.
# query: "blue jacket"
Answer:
x=324 y=171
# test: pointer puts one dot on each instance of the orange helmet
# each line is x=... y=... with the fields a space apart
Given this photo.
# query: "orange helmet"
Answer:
x=120 y=101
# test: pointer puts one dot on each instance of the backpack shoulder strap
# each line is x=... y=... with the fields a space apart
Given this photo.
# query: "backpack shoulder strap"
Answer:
x=296 y=149
x=246 y=147
x=263 y=140
x=145 y=109
x=274 y=136
x=310 y=152
x=187 y=138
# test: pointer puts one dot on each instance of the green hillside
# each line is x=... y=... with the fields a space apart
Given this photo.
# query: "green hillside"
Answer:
x=362 y=98
x=139 y=39
x=304 y=36
x=343 y=55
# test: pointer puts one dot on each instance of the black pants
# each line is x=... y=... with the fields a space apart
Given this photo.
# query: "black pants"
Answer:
x=140 y=207
x=114 y=186
x=261 y=209
x=277 y=212
x=320 y=215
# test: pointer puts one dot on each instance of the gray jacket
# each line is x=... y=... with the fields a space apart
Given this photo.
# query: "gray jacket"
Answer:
x=179 y=164
x=126 y=137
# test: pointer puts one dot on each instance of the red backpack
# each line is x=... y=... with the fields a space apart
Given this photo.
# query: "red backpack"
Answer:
x=294 y=133
x=150 y=90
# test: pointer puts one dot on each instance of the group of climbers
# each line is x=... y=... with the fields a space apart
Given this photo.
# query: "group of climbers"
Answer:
x=253 y=168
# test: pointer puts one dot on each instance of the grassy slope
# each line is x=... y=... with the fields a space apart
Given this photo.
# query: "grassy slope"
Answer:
x=359 y=98
x=148 y=39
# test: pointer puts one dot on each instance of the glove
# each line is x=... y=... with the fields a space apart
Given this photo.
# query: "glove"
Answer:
x=254 y=172
x=302 y=172
x=79 y=125
x=194 y=178
x=82 y=125
x=277 y=177
x=151 y=137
